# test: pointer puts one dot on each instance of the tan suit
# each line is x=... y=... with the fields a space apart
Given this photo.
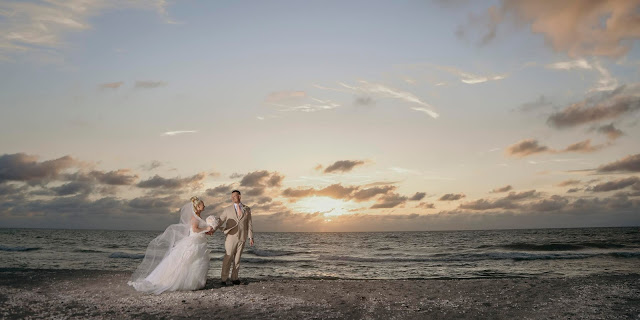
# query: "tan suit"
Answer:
x=237 y=231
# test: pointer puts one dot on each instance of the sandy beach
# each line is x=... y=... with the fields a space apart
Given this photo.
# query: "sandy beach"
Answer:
x=79 y=294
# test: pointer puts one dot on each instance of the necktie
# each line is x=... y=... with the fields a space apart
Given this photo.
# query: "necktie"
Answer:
x=238 y=211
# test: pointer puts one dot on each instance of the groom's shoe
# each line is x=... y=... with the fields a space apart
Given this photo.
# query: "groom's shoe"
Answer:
x=236 y=282
x=223 y=283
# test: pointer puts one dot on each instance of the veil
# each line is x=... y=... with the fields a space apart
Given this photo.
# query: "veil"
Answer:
x=160 y=246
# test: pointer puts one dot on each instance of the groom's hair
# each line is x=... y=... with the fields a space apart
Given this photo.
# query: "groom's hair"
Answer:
x=236 y=191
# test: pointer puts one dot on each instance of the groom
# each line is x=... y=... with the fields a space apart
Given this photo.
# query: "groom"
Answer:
x=238 y=227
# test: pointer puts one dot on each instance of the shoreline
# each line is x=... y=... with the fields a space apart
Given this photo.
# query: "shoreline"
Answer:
x=81 y=294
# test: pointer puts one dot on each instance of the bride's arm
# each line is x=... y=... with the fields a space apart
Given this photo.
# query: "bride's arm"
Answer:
x=196 y=229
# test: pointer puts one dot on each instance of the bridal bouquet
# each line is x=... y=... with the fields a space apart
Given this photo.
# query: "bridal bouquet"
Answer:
x=213 y=221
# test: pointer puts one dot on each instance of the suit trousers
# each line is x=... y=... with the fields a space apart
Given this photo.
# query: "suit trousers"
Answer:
x=233 y=250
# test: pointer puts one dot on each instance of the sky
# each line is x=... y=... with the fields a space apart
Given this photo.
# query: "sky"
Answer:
x=328 y=116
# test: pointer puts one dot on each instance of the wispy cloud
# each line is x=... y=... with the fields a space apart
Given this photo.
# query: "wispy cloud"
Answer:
x=382 y=91
x=470 y=78
x=173 y=133
x=41 y=26
x=570 y=65
x=296 y=101
x=606 y=82
x=316 y=105
x=427 y=111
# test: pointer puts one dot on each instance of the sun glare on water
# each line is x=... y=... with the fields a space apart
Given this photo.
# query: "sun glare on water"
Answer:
x=326 y=205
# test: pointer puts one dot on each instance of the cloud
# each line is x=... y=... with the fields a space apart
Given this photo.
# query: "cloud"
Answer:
x=119 y=177
x=452 y=197
x=12 y=190
x=470 y=78
x=221 y=190
x=503 y=189
x=235 y=175
x=569 y=182
x=298 y=193
x=606 y=81
x=343 y=166
x=554 y=203
x=418 y=196
x=336 y=191
x=24 y=167
x=530 y=147
x=616 y=185
x=630 y=163
x=42 y=26
x=522 y=195
x=156 y=205
x=570 y=65
x=111 y=85
x=483 y=204
x=525 y=148
x=356 y=193
x=263 y=200
x=382 y=91
x=151 y=165
x=253 y=192
x=426 y=205
x=81 y=211
x=577 y=28
x=367 y=194
x=313 y=106
x=262 y=179
x=149 y=84
x=610 y=131
x=157 y=182
x=574 y=190
x=609 y=105
x=174 y=133
x=426 y=111
x=72 y=188
x=583 y=147
x=510 y=201
x=391 y=200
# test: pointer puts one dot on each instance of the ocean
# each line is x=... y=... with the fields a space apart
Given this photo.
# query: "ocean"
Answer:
x=362 y=255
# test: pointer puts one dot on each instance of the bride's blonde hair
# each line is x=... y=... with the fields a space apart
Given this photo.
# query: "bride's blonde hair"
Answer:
x=196 y=201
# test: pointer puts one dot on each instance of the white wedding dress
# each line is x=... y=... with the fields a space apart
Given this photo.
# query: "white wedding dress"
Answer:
x=175 y=260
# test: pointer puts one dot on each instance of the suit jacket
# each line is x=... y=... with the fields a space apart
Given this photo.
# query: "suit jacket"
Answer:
x=241 y=228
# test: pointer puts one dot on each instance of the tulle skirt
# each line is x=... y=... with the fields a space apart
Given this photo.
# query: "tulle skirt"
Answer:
x=184 y=268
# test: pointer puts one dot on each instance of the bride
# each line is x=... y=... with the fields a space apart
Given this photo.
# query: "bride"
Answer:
x=178 y=259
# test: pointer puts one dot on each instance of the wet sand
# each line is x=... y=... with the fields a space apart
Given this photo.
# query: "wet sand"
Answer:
x=79 y=294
